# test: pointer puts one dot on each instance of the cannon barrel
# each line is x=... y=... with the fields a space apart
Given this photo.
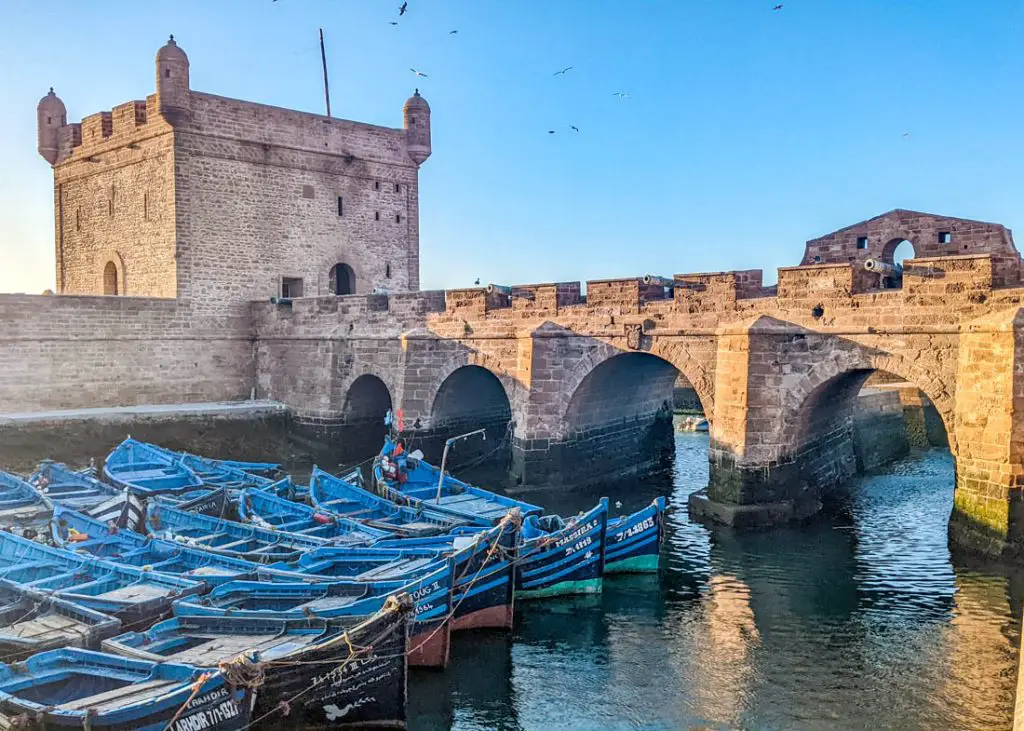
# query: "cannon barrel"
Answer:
x=659 y=281
x=498 y=288
x=875 y=266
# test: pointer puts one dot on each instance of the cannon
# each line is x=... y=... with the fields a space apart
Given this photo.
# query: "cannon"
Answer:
x=657 y=281
x=876 y=266
x=498 y=289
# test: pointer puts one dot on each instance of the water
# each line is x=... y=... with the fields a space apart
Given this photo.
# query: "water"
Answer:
x=861 y=621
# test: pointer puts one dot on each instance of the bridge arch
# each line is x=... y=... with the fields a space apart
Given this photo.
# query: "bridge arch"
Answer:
x=470 y=397
x=838 y=380
x=367 y=400
x=674 y=356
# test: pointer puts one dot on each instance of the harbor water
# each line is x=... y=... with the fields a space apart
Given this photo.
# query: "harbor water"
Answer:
x=862 y=620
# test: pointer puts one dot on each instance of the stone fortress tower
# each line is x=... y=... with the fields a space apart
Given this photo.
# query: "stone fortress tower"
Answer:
x=219 y=202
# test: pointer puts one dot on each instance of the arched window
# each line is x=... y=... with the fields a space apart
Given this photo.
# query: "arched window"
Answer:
x=343 y=279
x=110 y=283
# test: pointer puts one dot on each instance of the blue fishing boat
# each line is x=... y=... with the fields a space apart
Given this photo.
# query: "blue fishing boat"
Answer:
x=215 y=472
x=21 y=507
x=342 y=672
x=431 y=595
x=342 y=496
x=558 y=556
x=81 y=689
x=633 y=542
x=33 y=621
x=226 y=537
x=263 y=508
x=483 y=594
x=81 y=491
x=259 y=469
x=78 y=532
x=129 y=593
x=410 y=481
x=148 y=471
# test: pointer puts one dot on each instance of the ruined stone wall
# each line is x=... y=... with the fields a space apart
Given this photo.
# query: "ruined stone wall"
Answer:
x=930 y=235
x=258 y=201
x=114 y=203
x=67 y=352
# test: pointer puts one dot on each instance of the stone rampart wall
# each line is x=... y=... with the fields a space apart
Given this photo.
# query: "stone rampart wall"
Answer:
x=63 y=352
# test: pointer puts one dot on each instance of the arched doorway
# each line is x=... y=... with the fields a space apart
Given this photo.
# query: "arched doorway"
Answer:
x=619 y=419
x=110 y=281
x=366 y=404
x=898 y=250
x=470 y=398
x=342 y=279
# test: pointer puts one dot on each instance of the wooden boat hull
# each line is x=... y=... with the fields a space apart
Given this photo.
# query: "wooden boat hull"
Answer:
x=76 y=689
x=32 y=622
x=633 y=542
x=315 y=673
x=355 y=691
x=569 y=561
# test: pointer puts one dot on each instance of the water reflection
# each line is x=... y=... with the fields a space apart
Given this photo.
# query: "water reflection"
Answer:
x=863 y=621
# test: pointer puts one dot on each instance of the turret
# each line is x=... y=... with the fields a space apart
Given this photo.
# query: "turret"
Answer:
x=172 y=81
x=417 y=128
x=50 y=117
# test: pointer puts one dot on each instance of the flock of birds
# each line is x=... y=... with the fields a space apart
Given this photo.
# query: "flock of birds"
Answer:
x=620 y=95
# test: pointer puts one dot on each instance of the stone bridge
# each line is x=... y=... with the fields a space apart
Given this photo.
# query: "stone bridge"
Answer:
x=586 y=379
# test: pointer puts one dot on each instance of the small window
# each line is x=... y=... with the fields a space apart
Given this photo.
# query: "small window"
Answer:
x=387 y=270
x=78 y=219
x=398 y=218
x=398 y=188
x=376 y=215
x=862 y=242
x=945 y=237
x=291 y=287
x=307 y=191
x=110 y=207
x=167 y=73
x=817 y=259
x=341 y=206
x=376 y=185
x=49 y=120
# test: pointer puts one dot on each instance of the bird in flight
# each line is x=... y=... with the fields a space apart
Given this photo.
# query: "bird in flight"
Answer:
x=621 y=95
x=419 y=73
x=551 y=131
x=562 y=72
x=402 y=8
x=906 y=134
x=574 y=128
x=393 y=22
x=777 y=7
x=453 y=32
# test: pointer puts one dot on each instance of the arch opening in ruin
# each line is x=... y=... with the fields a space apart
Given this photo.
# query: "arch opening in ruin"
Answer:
x=342 y=279
x=619 y=419
x=110 y=280
x=366 y=404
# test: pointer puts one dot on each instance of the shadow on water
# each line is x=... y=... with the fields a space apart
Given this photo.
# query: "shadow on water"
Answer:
x=863 y=620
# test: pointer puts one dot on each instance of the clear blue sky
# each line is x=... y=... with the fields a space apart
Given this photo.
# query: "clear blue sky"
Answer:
x=747 y=131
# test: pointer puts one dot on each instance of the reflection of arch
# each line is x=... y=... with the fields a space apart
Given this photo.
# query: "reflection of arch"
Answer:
x=469 y=396
x=112 y=274
x=342 y=279
x=367 y=400
x=838 y=380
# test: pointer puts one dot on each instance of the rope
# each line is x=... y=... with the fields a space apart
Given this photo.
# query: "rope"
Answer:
x=196 y=687
x=242 y=672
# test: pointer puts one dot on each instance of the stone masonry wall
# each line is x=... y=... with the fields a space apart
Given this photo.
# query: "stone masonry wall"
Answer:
x=258 y=201
x=114 y=202
x=64 y=352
